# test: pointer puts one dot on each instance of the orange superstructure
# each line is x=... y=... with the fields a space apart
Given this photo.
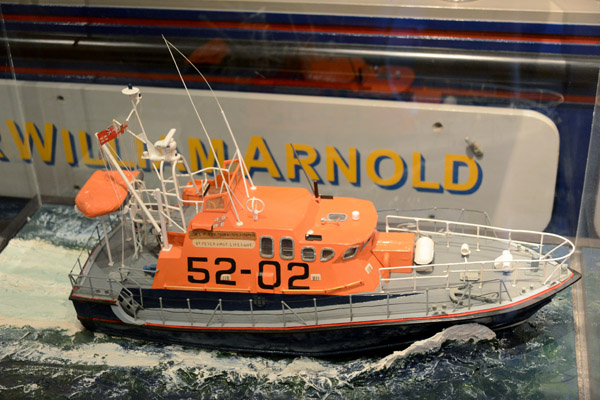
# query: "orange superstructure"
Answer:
x=298 y=243
x=207 y=258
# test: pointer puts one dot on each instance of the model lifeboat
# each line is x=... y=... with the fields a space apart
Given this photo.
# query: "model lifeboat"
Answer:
x=207 y=258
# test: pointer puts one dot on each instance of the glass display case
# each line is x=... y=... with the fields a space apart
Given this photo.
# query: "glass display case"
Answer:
x=440 y=110
x=586 y=297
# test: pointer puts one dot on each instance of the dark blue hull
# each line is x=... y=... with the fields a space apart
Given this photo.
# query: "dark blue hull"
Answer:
x=318 y=340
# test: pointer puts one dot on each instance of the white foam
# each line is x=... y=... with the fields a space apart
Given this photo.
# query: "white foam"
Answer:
x=34 y=285
x=458 y=333
x=34 y=290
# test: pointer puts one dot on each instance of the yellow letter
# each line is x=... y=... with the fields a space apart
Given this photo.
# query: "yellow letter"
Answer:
x=334 y=160
x=21 y=143
x=418 y=176
x=46 y=147
x=68 y=142
x=451 y=175
x=2 y=155
x=140 y=147
x=200 y=158
x=259 y=158
x=398 y=177
x=86 y=151
x=293 y=164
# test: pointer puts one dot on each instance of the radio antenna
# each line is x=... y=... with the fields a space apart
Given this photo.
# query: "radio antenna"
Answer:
x=237 y=149
x=314 y=189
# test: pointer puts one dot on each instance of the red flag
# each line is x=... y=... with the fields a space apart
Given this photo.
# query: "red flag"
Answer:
x=110 y=133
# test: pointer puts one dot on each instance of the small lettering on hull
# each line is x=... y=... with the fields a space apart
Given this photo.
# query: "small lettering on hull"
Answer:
x=224 y=243
x=229 y=235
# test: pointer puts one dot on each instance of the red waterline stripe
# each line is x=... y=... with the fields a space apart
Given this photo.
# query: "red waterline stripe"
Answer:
x=351 y=30
x=422 y=91
x=101 y=320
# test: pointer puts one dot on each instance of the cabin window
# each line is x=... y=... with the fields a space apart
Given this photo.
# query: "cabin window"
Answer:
x=287 y=248
x=309 y=254
x=327 y=254
x=266 y=247
x=337 y=217
x=350 y=252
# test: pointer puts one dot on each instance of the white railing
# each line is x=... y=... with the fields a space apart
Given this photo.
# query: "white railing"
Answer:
x=547 y=250
x=451 y=228
x=95 y=238
x=305 y=312
x=172 y=198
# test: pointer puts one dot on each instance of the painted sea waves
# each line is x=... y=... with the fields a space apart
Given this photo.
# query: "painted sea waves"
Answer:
x=46 y=353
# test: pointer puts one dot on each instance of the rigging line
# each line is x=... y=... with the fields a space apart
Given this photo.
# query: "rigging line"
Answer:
x=134 y=138
x=303 y=170
x=113 y=185
x=113 y=181
x=127 y=150
x=169 y=45
x=218 y=104
x=229 y=193
x=244 y=168
x=122 y=163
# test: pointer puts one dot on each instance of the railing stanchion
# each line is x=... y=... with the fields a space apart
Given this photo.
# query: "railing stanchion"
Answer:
x=251 y=312
x=414 y=279
x=214 y=312
x=499 y=291
x=162 y=316
x=388 y=305
x=316 y=311
x=506 y=290
x=481 y=276
x=427 y=301
x=221 y=312
x=282 y=313
x=190 y=311
x=469 y=299
x=350 y=300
